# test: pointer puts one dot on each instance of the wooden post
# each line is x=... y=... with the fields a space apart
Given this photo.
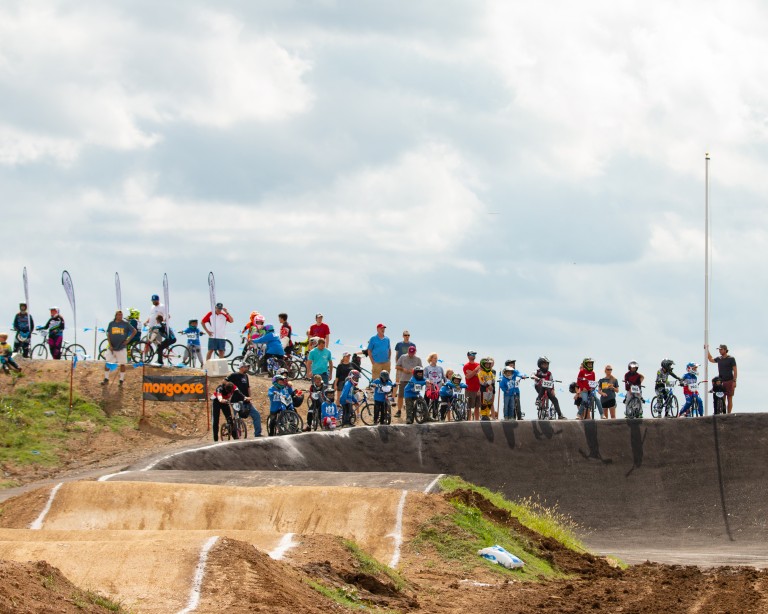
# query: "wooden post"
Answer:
x=207 y=402
x=143 y=400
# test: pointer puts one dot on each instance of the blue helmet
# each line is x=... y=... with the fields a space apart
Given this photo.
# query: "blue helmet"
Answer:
x=691 y=367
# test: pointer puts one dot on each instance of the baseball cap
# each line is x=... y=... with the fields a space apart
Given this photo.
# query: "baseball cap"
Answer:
x=471 y=353
x=318 y=315
x=411 y=349
x=219 y=305
x=155 y=297
x=722 y=346
x=405 y=332
x=380 y=325
x=346 y=354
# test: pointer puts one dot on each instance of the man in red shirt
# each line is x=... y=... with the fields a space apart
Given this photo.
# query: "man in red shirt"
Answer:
x=320 y=329
x=471 y=369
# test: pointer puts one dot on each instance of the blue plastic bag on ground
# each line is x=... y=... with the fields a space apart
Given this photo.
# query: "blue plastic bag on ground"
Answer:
x=497 y=554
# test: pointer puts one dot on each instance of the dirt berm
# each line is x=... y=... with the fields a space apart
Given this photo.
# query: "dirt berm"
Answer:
x=685 y=486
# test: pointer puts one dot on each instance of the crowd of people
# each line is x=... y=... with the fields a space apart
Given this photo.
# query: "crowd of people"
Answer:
x=336 y=384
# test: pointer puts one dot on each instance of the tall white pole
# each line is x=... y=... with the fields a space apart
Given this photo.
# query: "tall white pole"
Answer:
x=706 y=277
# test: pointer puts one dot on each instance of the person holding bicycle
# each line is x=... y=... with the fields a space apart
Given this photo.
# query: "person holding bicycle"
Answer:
x=508 y=385
x=632 y=377
x=410 y=394
x=727 y=370
x=163 y=332
x=329 y=411
x=383 y=388
x=23 y=325
x=193 y=343
x=662 y=381
x=316 y=392
x=225 y=395
x=691 y=377
x=243 y=384
x=586 y=384
x=273 y=348
x=452 y=386
x=347 y=400
x=279 y=391
x=55 y=328
x=543 y=374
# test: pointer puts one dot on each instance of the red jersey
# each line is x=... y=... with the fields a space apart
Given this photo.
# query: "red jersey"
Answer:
x=632 y=378
x=582 y=381
x=473 y=383
x=319 y=330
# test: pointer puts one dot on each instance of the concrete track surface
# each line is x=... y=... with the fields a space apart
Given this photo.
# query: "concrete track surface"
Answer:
x=682 y=490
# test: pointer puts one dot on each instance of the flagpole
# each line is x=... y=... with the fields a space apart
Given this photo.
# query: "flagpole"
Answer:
x=706 y=278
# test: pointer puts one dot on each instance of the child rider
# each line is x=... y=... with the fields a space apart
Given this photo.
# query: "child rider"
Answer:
x=543 y=374
x=383 y=388
x=690 y=377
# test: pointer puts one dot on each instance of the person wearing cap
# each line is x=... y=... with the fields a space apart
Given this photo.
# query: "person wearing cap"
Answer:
x=157 y=309
x=471 y=369
x=379 y=352
x=23 y=324
x=404 y=368
x=119 y=335
x=726 y=368
x=241 y=381
x=320 y=329
x=217 y=338
x=401 y=347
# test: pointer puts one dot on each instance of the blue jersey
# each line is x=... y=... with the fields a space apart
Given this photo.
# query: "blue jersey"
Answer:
x=193 y=335
x=688 y=378
x=348 y=393
x=280 y=399
x=446 y=392
x=272 y=342
x=410 y=392
x=329 y=410
x=382 y=389
x=508 y=385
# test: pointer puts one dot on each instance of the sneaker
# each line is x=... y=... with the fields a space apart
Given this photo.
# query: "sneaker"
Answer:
x=120 y=382
x=561 y=417
x=398 y=414
x=104 y=382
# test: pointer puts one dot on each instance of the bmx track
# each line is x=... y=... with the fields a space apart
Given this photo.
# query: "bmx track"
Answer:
x=674 y=491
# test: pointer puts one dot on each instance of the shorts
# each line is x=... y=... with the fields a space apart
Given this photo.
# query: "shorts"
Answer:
x=608 y=403
x=378 y=367
x=729 y=388
x=116 y=356
x=217 y=345
x=401 y=388
x=473 y=399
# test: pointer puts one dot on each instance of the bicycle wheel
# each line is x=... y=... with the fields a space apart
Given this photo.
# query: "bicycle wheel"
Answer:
x=518 y=410
x=235 y=363
x=366 y=414
x=229 y=348
x=459 y=410
x=542 y=409
x=39 y=352
x=673 y=406
x=177 y=355
x=103 y=346
x=135 y=353
x=74 y=350
x=289 y=422
x=420 y=411
x=293 y=370
x=719 y=405
x=242 y=428
x=657 y=407
x=225 y=433
x=634 y=408
x=145 y=353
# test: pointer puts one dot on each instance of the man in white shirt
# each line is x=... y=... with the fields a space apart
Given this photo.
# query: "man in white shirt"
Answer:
x=157 y=309
x=218 y=336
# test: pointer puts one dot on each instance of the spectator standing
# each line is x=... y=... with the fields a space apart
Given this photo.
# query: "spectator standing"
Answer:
x=285 y=333
x=607 y=387
x=404 y=368
x=119 y=335
x=320 y=361
x=471 y=369
x=241 y=381
x=156 y=310
x=217 y=338
x=726 y=368
x=320 y=329
x=401 y=347
x=380 y=352
x=342 y=371
x=55 y=328
x=23 y=324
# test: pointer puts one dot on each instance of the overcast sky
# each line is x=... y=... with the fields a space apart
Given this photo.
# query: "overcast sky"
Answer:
x=498 y=176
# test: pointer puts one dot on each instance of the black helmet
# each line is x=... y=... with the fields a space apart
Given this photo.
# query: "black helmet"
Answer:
x=328 y=393
x=511 y=361
x=572 y=387
x=667 y=364
x=543 y=360
x=191 y=321
x=384 y=375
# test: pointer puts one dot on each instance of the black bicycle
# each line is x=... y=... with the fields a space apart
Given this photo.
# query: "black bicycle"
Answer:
x=236 y=427
x=634 y=408
x=665 y=403
x=68 y=350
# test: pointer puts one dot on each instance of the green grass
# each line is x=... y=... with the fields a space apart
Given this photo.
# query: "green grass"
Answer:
x=345 y=597
x=531 y=513
x=372 y=567
x=458 y=537
x=93 y=598
x=29 y=436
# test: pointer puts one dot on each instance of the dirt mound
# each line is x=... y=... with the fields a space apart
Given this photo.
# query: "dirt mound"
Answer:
x=30 y=588
x=341 y=565
x=19 y=512
x=240 y=578
x=564 y=559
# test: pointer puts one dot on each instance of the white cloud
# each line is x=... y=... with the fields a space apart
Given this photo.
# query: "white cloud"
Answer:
x=96 y=77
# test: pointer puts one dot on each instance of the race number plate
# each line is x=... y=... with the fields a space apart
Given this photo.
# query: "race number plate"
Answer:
x=634 y=389
x=545 y=383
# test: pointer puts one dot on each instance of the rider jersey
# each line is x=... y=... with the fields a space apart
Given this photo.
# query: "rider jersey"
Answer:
x=23 y=322
x=382 y=389
x=272 y=342
x=280 y=398
x=632 y=378
x=583 y=379
x=329 y=410
x=193 y=335
x=410 y=392
x=348 y=393
x=446 y=392
x=688 y=377
x=662 y=378
x=55 y=326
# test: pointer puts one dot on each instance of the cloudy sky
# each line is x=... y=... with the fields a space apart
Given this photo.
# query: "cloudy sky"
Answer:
x=491 y=175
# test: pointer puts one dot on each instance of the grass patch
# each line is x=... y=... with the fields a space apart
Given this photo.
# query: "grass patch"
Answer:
x=32 y=423
x=457 y=538
x=93 y=598
x=531 y=513
x=344 y=597
x=372 y=567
